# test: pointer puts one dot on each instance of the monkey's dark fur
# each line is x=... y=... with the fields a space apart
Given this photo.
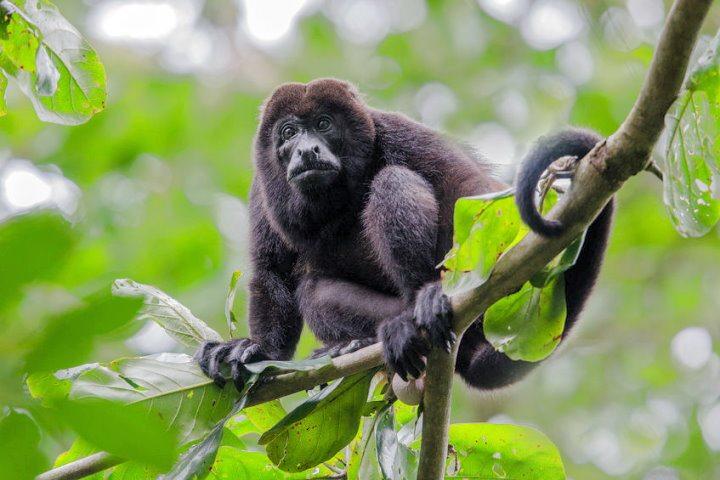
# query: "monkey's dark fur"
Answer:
x=351 y=210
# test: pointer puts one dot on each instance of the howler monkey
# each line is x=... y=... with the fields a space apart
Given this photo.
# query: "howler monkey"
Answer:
x=351 y=210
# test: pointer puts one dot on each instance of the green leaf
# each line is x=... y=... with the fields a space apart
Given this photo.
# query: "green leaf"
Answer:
x=265 y=415
x=528 y=324
x=319 y=427
x=79 y=449
x=198 y=460
x=560 y=264
x=485 y=450
x=397 y=461
x=124 y=430
x=691 y=172
x=174 y=317
x=52 y=63
x=32 y=247
x=485 y=227
x=690 y=165
x=281 y=366
x=20 y=454
x=232 y=322
x=68 y=338
x=234 y=464
x=169 y=386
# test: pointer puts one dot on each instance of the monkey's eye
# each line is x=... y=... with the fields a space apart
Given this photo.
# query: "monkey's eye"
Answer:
x=287 y=132
x=323 y=124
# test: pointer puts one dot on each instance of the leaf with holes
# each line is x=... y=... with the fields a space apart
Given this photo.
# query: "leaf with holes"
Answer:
x=691 y=182
x=319 y=427
x=485 y=450
x=177 y=320
x=51 y=62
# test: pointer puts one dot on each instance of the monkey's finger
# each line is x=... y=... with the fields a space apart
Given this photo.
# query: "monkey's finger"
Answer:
x=415 y=362
x=202 y=355
x=251 y=354
x=237 y=371
x=215 y=357
x=411 y=368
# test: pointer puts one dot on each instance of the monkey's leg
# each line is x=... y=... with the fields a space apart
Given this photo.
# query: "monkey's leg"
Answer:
x=342 y=314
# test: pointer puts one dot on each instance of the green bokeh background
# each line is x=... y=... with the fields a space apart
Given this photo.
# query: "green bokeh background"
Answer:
x=165 y=170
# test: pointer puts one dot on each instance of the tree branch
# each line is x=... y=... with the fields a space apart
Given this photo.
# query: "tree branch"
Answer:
x=599 y=176
x=601 y=173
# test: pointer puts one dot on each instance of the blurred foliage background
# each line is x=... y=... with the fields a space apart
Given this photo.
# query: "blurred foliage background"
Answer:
x=156 y=186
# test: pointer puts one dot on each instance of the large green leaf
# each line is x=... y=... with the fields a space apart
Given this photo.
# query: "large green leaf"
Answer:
x=177 y=320
x=52 y=63
x=484 y=227
x=169 y=386
x=68 y=338
x=528 y=324
x=32 y=247
x=20 y=454
x=690 y=162
x=318 y=428
x=492 y=451
x=234 y=464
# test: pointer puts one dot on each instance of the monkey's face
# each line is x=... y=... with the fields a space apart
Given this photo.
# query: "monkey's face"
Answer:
x=305 y=150
x=315 y=138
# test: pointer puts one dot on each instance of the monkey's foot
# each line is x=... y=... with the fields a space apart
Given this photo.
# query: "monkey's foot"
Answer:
x=234 y=353
x=343 y=347
x=404 y=346
x=434 y=315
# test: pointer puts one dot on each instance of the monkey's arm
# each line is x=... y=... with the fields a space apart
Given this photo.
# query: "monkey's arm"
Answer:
x=274 y=320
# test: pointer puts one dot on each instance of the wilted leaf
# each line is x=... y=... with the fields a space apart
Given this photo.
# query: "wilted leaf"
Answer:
x=174 y=317
x=318 y=428
x=129 y=431
x=52 y=63
x=485 y=450
x=68 y=338
x=528 y=324
x=32 y=247
x=230 y=302
x=20 y=454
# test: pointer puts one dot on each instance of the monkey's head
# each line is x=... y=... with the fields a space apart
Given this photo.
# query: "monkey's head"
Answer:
x=317 y=136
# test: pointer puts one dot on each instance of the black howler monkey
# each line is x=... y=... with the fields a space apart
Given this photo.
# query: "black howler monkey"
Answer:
x=351 y=210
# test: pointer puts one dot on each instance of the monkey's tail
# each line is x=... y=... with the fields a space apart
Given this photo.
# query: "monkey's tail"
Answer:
x=569 y=142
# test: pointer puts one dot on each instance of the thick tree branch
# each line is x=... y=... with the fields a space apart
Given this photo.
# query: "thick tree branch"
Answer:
x=598 y=177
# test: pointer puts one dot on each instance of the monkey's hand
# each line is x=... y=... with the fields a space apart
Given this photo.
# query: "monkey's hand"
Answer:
x=404 y=346
x=234 y=353
x=434 y=315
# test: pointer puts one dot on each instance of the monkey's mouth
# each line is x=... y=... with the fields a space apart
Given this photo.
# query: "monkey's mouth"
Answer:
x=315 y=175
